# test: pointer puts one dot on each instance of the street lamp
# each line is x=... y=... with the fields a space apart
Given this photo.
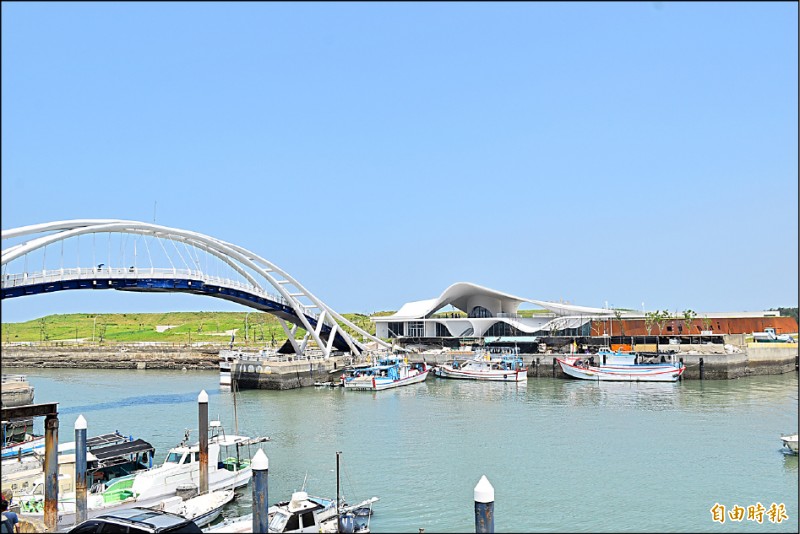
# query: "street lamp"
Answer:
x=94 y=324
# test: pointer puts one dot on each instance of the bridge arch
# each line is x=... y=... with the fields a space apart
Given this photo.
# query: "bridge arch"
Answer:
x=256 y=274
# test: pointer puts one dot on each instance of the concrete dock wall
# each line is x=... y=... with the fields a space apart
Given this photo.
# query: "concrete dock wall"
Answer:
x=755 y=359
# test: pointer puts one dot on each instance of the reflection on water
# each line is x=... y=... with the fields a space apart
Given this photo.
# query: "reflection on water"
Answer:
x=621 y=395
x=789 y=461
x=630 y=453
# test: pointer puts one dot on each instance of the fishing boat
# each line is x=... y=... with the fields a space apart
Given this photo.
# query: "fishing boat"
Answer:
x=790 y=442
x=107 y=456
x=16 y=391
x=226 y=359
x=498 y=365
x=307 y=513
x=200 y=509
x=619 y=367
x=389 y=372
x=228 y=468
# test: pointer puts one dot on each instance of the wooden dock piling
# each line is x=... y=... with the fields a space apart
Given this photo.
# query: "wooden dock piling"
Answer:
x=260 y=466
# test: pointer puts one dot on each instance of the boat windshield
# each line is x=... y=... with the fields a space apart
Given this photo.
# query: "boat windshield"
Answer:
x=173 y=458
x=278 y=521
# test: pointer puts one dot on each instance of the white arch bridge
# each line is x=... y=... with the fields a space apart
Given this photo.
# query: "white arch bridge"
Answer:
x=138 y=256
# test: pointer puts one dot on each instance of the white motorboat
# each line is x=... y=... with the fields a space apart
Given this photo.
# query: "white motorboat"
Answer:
x=228 y=468
x=201 y=509
x=504 y=365
x=305 y=513
x=790 y=442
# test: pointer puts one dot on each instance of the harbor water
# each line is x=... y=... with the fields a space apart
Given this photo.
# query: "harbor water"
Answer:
x=562 y=455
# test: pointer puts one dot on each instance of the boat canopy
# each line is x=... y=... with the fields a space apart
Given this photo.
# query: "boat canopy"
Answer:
x=116 y=454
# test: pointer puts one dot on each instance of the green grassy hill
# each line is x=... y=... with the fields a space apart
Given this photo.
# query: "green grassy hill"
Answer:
x=256 y=328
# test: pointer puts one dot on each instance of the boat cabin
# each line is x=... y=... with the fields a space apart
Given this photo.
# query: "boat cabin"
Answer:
x=301 y=514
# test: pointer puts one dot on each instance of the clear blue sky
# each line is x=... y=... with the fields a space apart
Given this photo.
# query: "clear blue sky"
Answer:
x=379 y=152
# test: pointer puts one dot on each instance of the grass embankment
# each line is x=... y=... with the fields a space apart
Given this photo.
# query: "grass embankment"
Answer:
x=256 y=328
x=249 y=328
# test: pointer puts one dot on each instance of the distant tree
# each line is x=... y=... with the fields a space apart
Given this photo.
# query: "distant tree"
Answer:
x=43 y=330
x=663 y=318
x=650 y=320
x=786 y=312
x=618 y=315
x=706 y=323
x=688 y=319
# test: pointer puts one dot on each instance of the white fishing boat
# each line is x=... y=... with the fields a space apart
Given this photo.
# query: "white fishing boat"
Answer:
x=790 y=442
x=498 y=365
x=306 y=513
x=107 y=456
x=205 y=508
x=620 y=367
x=226 y=359
x=228 y=468
x=390 y=372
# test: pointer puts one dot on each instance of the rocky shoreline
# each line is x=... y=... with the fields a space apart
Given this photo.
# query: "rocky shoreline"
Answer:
x=118 y=356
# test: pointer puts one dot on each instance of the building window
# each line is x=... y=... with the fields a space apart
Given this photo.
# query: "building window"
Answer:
x=416 y=329
x=480 y=312
x=442 y=331
x=503 y=329
x=396 y=330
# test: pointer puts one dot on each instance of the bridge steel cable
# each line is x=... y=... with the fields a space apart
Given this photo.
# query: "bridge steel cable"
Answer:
x=236 y=257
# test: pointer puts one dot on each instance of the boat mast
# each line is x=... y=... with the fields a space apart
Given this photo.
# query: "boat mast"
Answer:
x=235 y=414
x=337 y=490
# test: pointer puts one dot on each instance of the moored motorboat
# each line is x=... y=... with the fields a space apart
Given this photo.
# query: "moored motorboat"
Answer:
x=790 y=442
x=389 y=372
x=305 y=513
x=205 y=508
x=16 y=391
x=620 y=367
x=228 y=468
x=504 y=365
x=107 y=456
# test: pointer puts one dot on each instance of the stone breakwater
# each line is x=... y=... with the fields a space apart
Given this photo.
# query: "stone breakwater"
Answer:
x=118 y=356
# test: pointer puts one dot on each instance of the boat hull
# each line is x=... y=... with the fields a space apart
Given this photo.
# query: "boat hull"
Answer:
x=623 y=373
x=790 y=442
x=447 y=371
x=67 y=511
x=368 y=383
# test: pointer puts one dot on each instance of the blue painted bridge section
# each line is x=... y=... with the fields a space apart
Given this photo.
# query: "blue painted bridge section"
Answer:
x=175 y=285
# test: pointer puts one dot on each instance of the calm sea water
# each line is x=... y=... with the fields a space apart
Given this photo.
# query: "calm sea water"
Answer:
x=562 y=455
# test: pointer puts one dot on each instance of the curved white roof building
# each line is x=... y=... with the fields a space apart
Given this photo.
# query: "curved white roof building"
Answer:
x=488 y=313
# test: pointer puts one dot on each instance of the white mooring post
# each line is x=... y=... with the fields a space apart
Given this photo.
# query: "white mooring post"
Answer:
x=484 y=506
x=80 y=470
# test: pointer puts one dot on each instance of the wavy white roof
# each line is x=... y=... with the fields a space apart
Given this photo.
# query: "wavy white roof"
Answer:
x=459 y=294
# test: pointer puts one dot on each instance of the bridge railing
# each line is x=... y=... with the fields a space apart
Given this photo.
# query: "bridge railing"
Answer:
x=57 y=275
